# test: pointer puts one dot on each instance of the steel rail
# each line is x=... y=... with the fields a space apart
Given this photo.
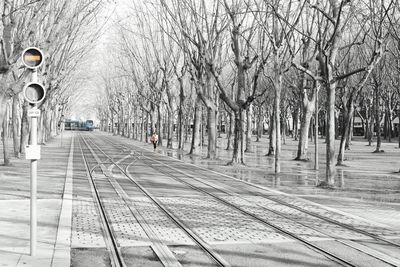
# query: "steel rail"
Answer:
x=110 y=240
x=371 y=252
x=322 y=251
x=365 y=249
x=311 y=213
x=202 y=244
x=349 y=227
x=161 y=250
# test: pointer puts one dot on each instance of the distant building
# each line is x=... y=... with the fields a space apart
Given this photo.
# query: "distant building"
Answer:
x=359 y=127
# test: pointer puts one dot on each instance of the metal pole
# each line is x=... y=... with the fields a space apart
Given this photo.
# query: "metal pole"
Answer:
x=316 y=167
x=33 y=229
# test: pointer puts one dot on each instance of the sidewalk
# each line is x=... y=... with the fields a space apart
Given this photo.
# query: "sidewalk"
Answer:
x=52 y=232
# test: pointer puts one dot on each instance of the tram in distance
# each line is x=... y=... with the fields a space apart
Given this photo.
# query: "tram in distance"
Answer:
x=77 y=125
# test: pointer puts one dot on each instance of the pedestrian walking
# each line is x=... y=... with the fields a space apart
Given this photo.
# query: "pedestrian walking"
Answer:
x=154 y=140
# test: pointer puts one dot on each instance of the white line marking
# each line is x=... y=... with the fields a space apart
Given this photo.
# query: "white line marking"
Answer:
x=62 y=247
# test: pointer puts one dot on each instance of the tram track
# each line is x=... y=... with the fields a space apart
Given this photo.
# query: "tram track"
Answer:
x=353 y=244
x=368 y=251
x=116 y=257
x=262 y=194
x=160 y=249
x=314 y=247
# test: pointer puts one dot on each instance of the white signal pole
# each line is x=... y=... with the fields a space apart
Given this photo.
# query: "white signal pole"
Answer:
x=34 y=93
x=34 y=178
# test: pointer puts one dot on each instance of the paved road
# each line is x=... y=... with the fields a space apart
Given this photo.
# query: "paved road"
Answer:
x=105 y=198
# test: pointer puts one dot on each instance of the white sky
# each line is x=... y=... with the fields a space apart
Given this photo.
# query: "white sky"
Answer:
x=84 y=101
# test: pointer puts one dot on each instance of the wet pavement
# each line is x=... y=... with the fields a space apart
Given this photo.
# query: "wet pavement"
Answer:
x=366 y=185
x=366 y=192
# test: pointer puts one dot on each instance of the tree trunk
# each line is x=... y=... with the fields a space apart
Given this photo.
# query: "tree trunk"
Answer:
x=249 y=113
x=41 y=131
x=160 y=126
x=24 y=127
x=53 y=123
x=112 y=123
x=16 y=126
x=398 y=125
x=194 y=148
x=311 y=129
x=180 y=113
x=4 y=139
x=296 y=123
x=330 y=136
x=284 y=129
x=366 y=125
x=259 y=124
x=47 y=125
x=390 y=129
x=385 y=125
x=146 y=128
x=337 y=124
x=142 y=128
x=119 y=122
x=371 y=125
x=304 y=130
x=180 y=125
x=349 y=137
x=348 y=117
x=219 y=122
x=211 y=128
x=238 y=130
x=272 y=136
x=170 y=129
x=230 y=130
x=202 y=142
x=277 y=103
x=129 y=123
x=187 y=130
x=377 y=122
x=308 y=107
x=136 y=122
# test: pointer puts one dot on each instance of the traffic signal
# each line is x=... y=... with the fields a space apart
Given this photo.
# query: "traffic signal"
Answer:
x=32 y=57
x=34 y=92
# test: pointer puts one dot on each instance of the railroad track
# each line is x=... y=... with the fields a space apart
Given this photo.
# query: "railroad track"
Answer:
x=318 y=249
x=161 y=250
x=353 y=244
x=376 y=254
x=113 y=249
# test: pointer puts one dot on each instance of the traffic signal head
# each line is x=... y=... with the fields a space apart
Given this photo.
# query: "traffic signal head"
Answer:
x=34 y=93
x=32 y=57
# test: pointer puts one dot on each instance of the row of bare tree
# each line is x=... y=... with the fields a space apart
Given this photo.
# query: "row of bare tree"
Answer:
x=236 y=62
x=65 y=30
x=213 y=63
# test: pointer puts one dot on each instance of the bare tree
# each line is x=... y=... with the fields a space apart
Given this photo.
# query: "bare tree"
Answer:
x=335 y=18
